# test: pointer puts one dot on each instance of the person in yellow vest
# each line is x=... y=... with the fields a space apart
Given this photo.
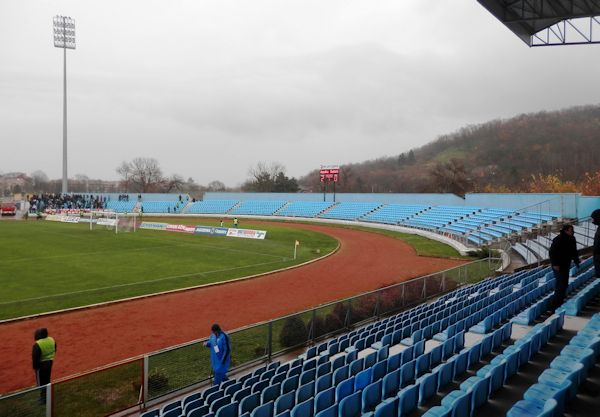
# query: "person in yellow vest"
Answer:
x=43 y=352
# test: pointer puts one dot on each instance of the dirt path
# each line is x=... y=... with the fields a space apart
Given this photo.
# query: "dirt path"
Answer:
x=90 y=338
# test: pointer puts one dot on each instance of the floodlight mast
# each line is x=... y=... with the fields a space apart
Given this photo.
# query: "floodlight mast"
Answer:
x=64 y=37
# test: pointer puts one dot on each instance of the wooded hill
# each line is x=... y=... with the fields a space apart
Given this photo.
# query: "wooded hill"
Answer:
x=560 y=147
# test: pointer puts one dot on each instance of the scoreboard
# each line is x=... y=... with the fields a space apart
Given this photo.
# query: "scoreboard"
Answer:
x=329 y=173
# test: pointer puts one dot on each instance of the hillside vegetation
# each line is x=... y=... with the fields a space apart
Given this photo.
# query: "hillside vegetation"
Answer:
x=540 y=152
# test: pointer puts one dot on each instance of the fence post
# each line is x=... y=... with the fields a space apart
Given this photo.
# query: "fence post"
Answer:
x=270 y=341
x=377 y=304
x=49 y=399
x=348 y=315
x=145 y=381
x=313 y=327
x=424 y=296
x=403 y=294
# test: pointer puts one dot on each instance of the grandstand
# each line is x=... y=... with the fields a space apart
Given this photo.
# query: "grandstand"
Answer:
x=472 y=225
x=162 y=206
x=121 y=206
x=304 y=208
x=445 y=358
x=349 y=211
x=211 y=207
x=257 y=207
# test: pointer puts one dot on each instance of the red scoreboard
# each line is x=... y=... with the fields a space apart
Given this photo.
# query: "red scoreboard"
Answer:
x=330 y=173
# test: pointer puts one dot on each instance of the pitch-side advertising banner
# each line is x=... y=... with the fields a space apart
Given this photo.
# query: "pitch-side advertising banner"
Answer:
x=247 y=233
x=153 y=225
x=206 y=230
x=182 y=228
x=209 y=230
x=106 y=222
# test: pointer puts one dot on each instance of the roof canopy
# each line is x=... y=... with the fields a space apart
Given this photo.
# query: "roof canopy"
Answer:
x=549 y=22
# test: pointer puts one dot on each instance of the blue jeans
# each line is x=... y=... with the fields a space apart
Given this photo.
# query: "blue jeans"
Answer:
x=219 y=377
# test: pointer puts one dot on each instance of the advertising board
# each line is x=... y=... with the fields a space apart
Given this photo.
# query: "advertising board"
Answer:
x=153 y=225
x=181 y=228
x=106 y=222
x=247 y=233
x=70 y=219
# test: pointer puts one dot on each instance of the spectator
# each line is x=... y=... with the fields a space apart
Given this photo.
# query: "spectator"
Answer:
x=562 y=251
x=43 y=352
x=220 y=353
x=596 y=221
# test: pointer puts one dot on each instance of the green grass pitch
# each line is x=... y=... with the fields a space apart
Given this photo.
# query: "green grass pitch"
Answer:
x=47 y=266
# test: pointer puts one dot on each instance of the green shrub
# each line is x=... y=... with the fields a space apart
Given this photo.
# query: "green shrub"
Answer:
x=293 y=332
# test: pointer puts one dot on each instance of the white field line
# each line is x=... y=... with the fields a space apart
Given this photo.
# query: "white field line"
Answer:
x=199 y=245
x=143 y=282
x=162 y=293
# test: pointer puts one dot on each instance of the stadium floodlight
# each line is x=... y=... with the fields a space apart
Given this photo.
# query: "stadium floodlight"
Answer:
x=64 y=37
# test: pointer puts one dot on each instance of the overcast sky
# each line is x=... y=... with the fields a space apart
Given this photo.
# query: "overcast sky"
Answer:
x=210 y=87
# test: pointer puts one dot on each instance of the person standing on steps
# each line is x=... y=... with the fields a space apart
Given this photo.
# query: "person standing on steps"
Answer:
x=596 y=220
x=220 y=353
x=562 y=251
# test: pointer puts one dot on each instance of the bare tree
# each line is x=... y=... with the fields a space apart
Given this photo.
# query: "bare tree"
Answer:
x=174 y=183
x=81 y=183
x=269 y=178
x=39 y=180
x=142 y=174
x=215 y=186
x=451 y=177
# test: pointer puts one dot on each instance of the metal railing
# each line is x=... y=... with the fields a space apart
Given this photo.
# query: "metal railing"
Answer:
x=145 y=379
x=542 y=237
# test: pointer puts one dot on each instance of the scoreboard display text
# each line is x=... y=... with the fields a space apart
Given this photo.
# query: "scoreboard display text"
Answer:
x=329 y=173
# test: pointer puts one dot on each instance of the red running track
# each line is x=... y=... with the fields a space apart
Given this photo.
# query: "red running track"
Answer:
x=94 y=337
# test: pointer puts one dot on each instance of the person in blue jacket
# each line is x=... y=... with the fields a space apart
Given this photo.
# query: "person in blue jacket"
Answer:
x=220 y=353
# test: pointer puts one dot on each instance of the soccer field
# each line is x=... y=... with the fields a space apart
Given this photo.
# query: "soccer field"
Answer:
x=47 y=266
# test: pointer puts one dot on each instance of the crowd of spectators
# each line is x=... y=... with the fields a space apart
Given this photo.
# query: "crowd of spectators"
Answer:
x=41 y=202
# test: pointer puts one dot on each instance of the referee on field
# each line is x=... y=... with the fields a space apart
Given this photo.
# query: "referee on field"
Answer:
x=42 y=355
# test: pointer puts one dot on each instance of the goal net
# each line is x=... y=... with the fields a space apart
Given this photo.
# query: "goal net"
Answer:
x=119 y=222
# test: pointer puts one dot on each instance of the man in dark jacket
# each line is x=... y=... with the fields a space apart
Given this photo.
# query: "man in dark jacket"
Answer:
x=596 y=220
x=42 y=355
x=562 y=251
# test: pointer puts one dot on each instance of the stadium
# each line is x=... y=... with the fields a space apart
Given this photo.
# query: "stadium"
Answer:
x=336 y=303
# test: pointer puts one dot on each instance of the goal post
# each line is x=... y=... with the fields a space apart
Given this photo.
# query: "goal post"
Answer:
x=119 y=222
x=125 y=222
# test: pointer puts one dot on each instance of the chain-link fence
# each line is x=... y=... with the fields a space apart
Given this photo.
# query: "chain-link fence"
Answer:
x=100 y=392
x=124 y=385
x=28 y=403
x=176 y=368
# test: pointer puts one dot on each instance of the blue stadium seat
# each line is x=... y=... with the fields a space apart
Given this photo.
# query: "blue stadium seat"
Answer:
x=350 y=406
x=264 y=410
x=408 y=400
x=371 y=396
x=304 y=409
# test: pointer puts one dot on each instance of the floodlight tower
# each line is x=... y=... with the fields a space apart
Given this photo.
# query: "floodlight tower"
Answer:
x=64 y=37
